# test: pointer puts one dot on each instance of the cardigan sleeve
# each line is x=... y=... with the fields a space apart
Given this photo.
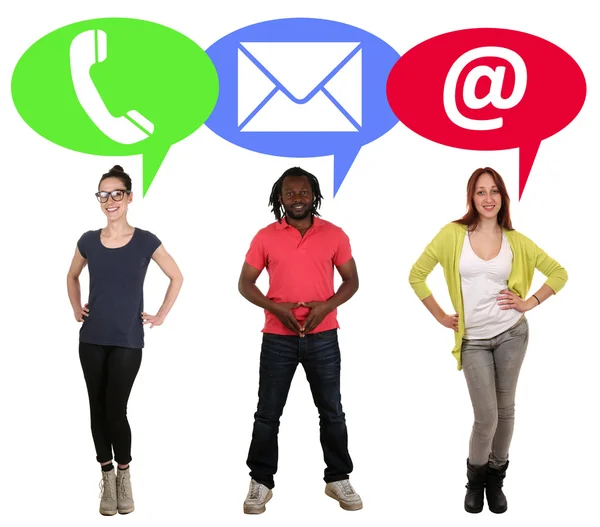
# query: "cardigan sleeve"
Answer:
x=424 y=265
x=556 y=274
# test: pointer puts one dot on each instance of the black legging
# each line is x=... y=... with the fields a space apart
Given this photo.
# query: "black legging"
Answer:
x=109 y=373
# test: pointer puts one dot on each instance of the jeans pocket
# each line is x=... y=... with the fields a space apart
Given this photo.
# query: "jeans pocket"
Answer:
x=472 y=345
x=519 y=329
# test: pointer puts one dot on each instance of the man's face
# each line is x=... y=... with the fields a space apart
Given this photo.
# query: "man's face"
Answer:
x=296 y=197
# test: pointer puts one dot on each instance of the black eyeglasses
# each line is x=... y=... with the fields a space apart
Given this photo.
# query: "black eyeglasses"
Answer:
x=116 y=195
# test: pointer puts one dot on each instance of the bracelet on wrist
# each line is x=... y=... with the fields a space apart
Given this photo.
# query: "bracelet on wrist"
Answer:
x=538 y=300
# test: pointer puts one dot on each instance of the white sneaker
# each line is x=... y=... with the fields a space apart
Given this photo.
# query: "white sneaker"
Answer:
x=257 y=498
x=108 y=496
x=343 y=492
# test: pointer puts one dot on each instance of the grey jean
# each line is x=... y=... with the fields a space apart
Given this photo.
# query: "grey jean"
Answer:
x=491 y=368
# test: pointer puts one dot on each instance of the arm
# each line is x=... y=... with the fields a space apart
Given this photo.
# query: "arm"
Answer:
x=422 y=268
x=449 y=321
x=543 y=293
x=249 y=290
x=347 y=289
x=349 y=285
x=74 y=288
x=509 y=300
x=556 y=279
x=168 y=266
x=556 y=274
x=417 y=280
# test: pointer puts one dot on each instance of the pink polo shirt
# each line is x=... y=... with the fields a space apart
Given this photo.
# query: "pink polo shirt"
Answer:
x=300 y=268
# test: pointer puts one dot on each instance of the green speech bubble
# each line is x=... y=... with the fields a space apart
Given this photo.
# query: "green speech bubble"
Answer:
x=116 y=86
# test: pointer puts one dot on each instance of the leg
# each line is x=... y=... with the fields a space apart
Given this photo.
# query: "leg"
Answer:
x=278 y=362
x=478 y=367
x=509 y=353
x=95 y=370
x=510 y=348
x=321 y=362
x=123 y=366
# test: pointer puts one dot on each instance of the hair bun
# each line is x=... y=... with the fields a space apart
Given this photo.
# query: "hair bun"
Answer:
x=117 y=168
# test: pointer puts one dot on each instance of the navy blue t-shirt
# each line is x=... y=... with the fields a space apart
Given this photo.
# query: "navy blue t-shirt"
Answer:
x=116 y=298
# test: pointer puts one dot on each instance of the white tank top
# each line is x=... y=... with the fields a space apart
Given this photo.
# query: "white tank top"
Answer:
x=481 y=282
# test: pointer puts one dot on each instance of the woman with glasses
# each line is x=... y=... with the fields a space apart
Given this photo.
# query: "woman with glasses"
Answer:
x=489 y=269
x=111 y=337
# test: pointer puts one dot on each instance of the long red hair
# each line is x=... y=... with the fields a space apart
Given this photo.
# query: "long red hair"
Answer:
x=471 y=218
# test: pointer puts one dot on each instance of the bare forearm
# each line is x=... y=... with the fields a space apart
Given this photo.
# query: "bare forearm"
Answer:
x=434 y=308
x=74 y=291
x=253 y=294
x=542 y=294
x=170 y=297
x=345 y=292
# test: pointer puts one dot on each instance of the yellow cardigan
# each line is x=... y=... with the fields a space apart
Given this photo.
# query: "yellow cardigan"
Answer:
x=446 y=249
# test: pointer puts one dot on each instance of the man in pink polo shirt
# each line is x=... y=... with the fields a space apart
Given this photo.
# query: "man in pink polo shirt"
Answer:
x=300 y=252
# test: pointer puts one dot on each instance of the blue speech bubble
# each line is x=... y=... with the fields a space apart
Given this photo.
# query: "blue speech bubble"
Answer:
x=303 y=87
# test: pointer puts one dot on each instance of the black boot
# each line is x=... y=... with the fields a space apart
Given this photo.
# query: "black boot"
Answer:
x=475 y=487
x=493 y=489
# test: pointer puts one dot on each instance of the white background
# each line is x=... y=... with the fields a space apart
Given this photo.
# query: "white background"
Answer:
x=191 y=410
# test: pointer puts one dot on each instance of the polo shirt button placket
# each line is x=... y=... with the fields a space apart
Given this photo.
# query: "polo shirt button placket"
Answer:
x=303 y=238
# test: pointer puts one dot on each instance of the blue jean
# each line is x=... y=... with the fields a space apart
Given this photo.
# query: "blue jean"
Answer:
x=319 y=354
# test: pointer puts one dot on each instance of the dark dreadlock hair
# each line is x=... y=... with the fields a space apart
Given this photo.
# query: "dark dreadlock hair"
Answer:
x=274 y=201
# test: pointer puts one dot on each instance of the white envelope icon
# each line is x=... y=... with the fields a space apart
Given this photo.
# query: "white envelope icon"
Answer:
x=299 y=86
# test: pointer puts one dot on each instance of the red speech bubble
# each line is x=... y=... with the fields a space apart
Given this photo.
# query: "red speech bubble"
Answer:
x=487 y=89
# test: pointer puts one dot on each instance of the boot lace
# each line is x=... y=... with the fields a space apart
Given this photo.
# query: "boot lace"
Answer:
x=123 y=487
x=105 y=488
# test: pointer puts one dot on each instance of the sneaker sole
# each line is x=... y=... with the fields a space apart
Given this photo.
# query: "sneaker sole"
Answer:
x=346 y=507
x=258 y=510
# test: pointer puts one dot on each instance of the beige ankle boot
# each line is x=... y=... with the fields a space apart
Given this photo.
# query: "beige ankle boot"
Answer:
x=124 y=494
x=108 y=500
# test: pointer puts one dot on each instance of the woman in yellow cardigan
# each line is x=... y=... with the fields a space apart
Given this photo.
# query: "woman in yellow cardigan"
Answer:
x=488 y=268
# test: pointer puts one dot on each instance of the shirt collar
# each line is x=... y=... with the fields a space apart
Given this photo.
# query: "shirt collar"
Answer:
x=284 y=224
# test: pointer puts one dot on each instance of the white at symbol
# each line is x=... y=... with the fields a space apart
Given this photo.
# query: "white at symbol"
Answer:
x=494 y=96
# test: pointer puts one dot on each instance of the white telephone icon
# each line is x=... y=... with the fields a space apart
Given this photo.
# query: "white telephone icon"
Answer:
x=87 y=49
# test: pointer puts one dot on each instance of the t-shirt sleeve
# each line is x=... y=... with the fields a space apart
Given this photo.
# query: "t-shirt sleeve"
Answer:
x=343 y=252
x=152 y=243
x=256 y=255
x=82 y=244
